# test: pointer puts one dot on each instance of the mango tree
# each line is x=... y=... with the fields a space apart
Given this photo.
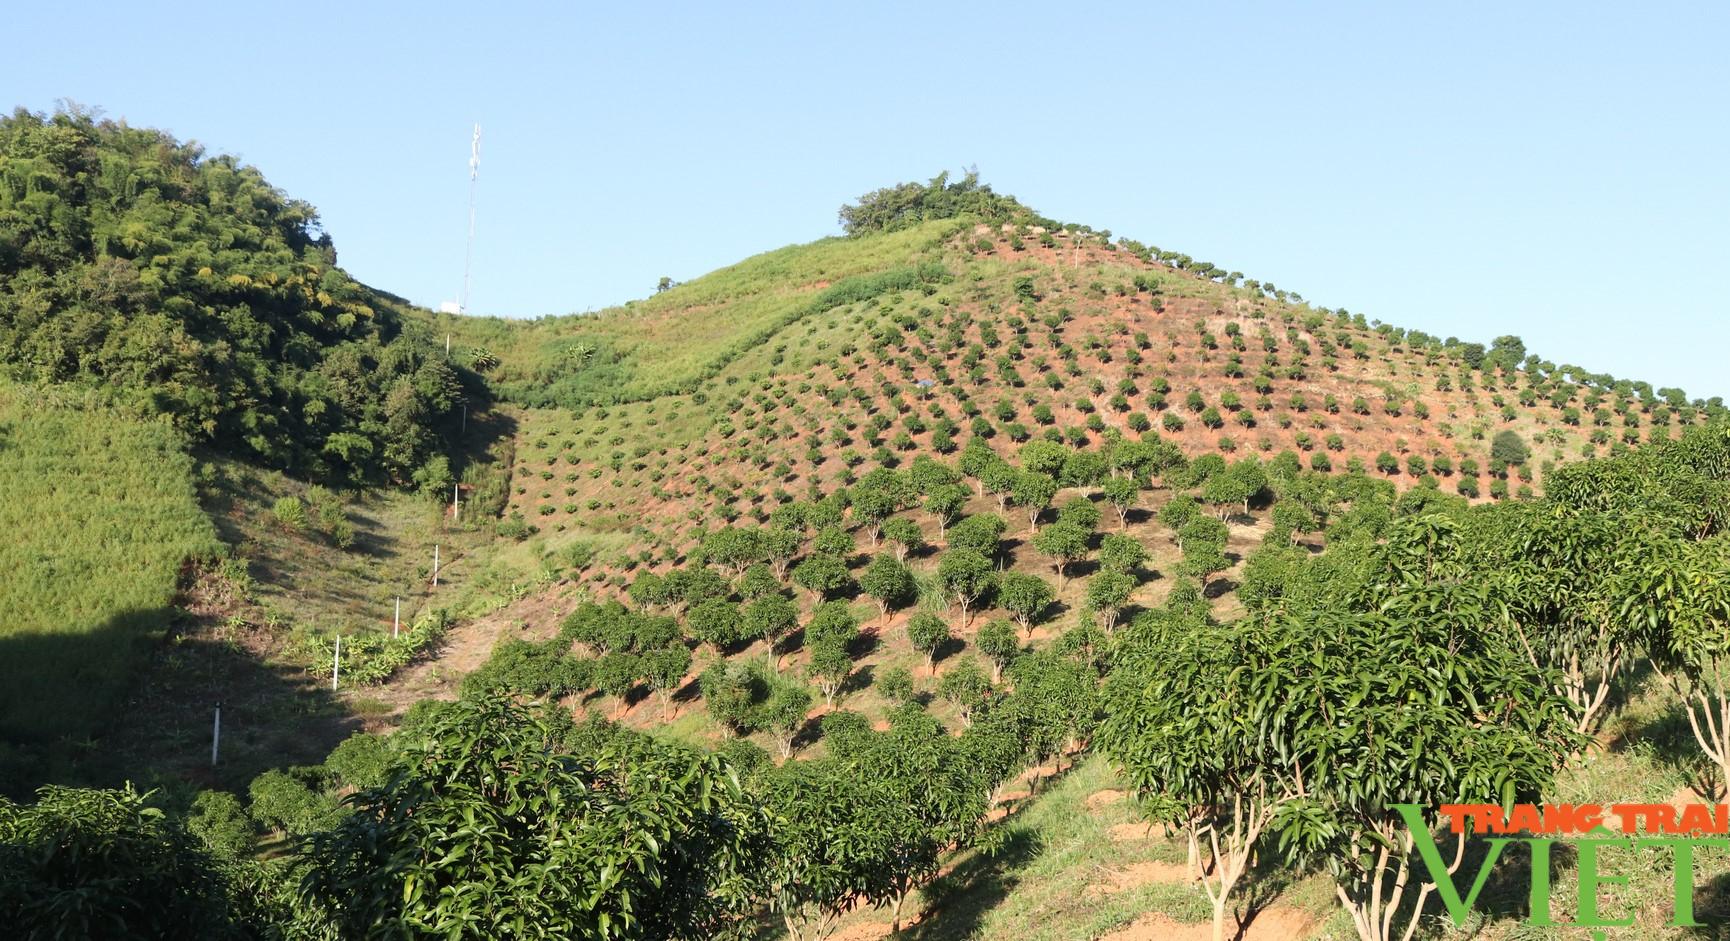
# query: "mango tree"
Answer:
x=889 y=581
x=822 y=863
x=486 y=821
x=1181 y=722
x=1409 y=701
x=1026 y=597
x=924 y=797
x=1033 y=493
x=1679 y=598
x=1066 y=542
x=1565 y=609
x=928 y=633
x=964 y=576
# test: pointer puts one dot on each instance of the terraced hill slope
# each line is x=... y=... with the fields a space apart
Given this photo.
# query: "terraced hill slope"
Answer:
x=964 y=331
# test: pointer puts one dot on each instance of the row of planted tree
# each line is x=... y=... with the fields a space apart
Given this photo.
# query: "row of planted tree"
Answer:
x=1433 y=653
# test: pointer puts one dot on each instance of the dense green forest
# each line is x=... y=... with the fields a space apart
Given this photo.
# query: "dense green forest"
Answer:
x=185 y=285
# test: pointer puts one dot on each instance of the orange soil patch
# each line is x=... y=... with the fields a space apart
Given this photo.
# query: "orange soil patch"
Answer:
x=864 y=931
x=1130 y=832
x=1104 y=798
x=875 y=930
x=1277 y=923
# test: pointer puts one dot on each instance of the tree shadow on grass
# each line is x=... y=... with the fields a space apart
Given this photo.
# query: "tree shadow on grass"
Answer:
x=1712 y=909
x=858 y=680
x=1672 y=745
x=957 y=902
x=134 y=700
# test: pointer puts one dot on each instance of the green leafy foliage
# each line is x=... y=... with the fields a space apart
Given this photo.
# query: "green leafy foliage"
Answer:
x=88 y=864
x=908 y=204
x=185 y=286
x=627 y=839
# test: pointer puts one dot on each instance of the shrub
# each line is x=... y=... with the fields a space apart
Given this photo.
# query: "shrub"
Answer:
x=1508 y=447
x=896 y=685
x=289 y=513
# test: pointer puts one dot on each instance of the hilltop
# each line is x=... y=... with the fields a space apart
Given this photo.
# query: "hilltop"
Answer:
x=799 y=370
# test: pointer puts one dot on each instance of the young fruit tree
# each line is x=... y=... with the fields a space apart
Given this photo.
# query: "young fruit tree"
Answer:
x=664 y=668
x=1179 y=725
x=1107 y=594
x=890 y=582
x=822 y=860
x=906 y=536
x=1033 y=493
x=1564 y=613
x=1369 y=722
x=1679 y=599
x=783 y=714
x=964 y=576
x=999 y=643
x=1066 y=543
x=822 y=575
x=966 y=686
x=928 y=633
x=1026 y=597
x=1122 y=493
x=924 y=798
x=830 y=667
x=771 y=617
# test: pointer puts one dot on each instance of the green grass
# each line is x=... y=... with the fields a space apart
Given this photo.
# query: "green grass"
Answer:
x=651 y=347
x=1651 y=757
x=99 y=512
x=1052 y=878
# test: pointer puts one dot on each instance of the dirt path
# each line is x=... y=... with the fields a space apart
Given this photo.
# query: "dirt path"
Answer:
x=1275 y=923
x=466 y=647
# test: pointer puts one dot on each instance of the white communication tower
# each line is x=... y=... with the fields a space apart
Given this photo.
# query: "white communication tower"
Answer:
x=469 y=253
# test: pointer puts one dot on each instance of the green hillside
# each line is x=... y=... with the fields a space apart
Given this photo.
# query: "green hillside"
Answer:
x=101 y=518
x=671 y=342
x=970 y=575
x=184 y=285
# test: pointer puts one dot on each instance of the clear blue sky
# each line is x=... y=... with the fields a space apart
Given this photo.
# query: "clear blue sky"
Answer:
x=1560 y=171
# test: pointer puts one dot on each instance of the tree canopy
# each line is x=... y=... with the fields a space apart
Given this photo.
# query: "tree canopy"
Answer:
x=186 y=286
x=908 y=204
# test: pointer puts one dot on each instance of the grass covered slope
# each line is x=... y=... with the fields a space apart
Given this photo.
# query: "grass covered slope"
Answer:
x=673 y=341
x=100 y=514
